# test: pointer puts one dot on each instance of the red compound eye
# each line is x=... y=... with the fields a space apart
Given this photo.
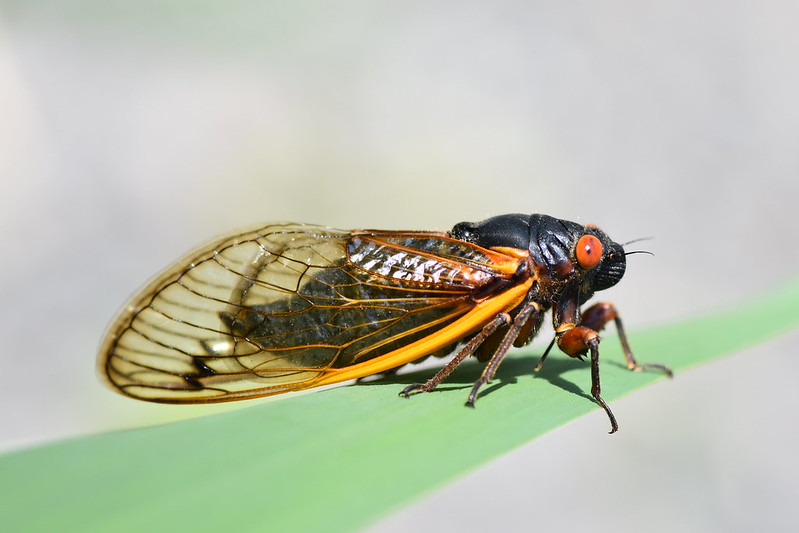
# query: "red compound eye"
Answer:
x=589 y=251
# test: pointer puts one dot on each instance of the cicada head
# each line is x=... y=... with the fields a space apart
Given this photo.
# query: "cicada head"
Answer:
x=566 y=251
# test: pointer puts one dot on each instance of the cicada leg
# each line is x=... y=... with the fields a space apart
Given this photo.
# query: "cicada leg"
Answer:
x=578 y=339
x=500 y=320
x=527 y=313
x=598 y=315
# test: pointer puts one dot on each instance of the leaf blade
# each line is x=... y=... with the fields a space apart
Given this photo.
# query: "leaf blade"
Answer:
x=340 y=458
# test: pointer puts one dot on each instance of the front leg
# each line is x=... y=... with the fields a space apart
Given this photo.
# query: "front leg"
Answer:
x=576 y=341
x=598 y=315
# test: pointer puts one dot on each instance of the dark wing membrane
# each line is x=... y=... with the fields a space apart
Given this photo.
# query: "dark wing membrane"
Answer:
x=274 y=309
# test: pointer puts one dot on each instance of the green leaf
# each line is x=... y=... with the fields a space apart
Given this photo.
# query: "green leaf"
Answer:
x=338 y=459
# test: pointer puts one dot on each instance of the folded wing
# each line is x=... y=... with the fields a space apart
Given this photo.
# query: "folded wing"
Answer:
x=284 y=306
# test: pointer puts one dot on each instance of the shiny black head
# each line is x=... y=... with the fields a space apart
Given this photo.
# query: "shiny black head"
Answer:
x=567 y=250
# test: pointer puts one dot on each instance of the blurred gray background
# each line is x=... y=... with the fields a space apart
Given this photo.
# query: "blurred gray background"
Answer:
x=133 y=131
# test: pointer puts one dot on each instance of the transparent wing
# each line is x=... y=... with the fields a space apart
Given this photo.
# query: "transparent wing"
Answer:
x=271 y=310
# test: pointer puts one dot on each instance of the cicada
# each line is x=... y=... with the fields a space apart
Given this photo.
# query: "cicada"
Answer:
x=286 y=307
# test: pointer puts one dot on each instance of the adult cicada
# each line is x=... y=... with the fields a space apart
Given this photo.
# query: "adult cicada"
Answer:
x=286 y=307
